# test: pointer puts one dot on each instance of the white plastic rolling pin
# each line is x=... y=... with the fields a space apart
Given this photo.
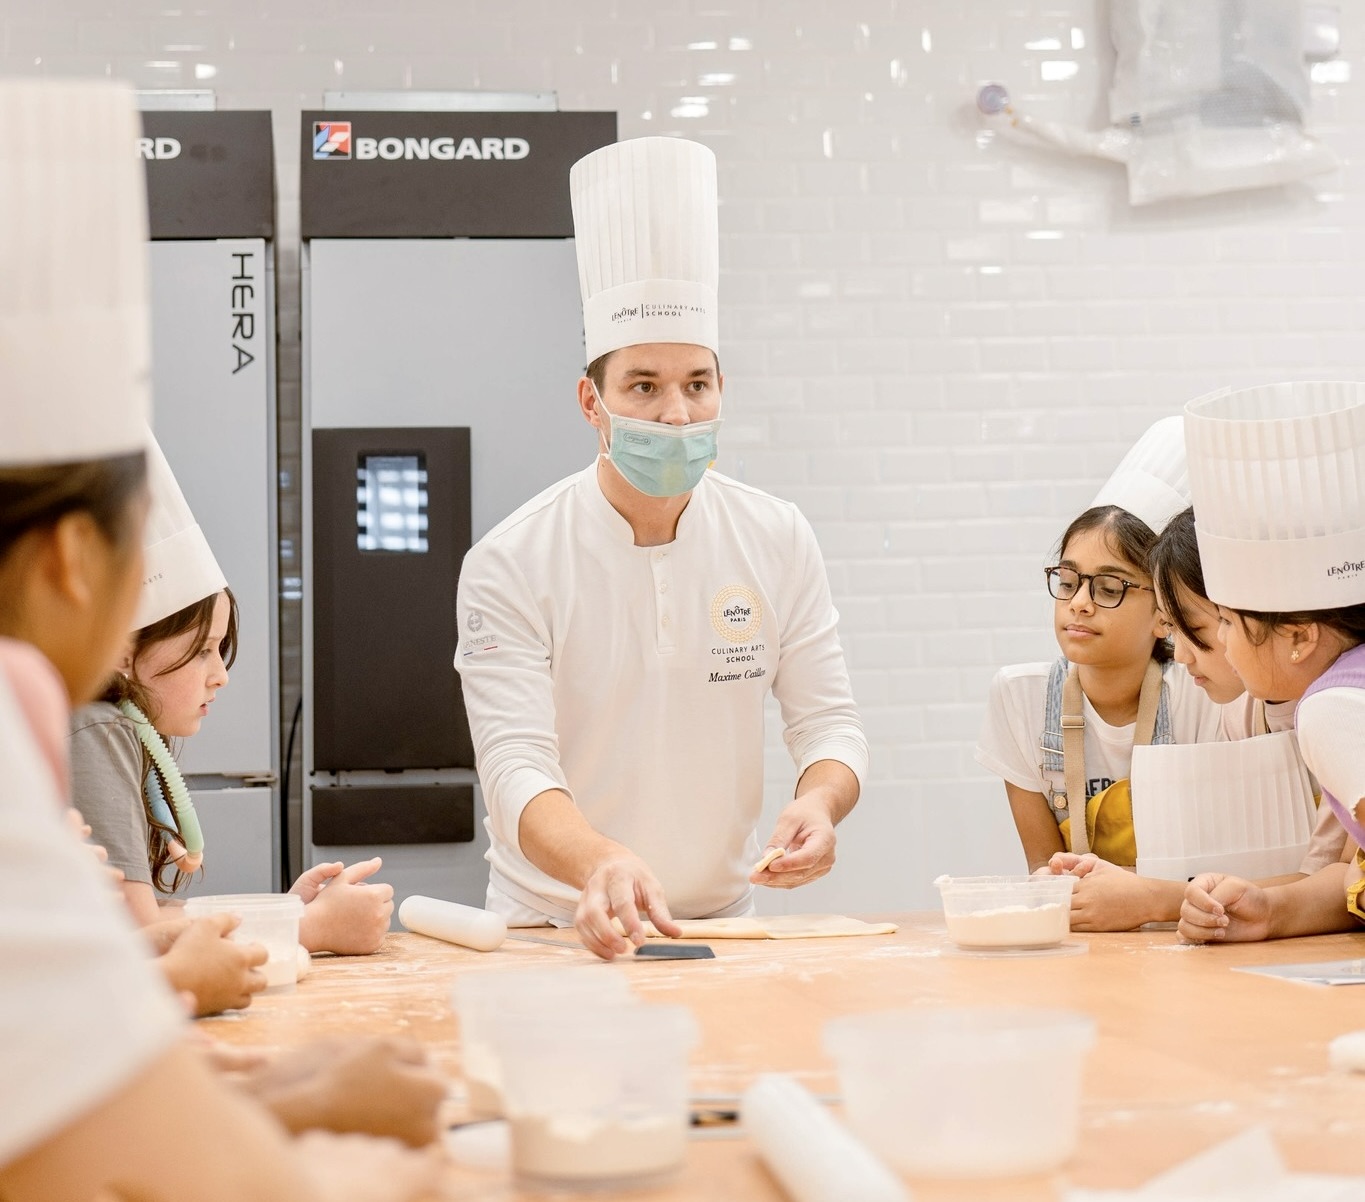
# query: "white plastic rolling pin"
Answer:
x=810 y=1153
x=465 y=925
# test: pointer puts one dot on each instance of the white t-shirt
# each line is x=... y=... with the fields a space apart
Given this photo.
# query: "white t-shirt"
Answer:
x=634 y=679
x=82 y=1008
x=1011 y=739
x=1238 y=717
x=1331 y=729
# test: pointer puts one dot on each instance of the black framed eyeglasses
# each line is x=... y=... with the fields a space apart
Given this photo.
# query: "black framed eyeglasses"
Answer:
x=1106 y=590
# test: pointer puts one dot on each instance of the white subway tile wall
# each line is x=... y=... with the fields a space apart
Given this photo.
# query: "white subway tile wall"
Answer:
x=937 y=343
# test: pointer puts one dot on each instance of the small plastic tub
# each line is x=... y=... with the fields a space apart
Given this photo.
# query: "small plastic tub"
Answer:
x=271 y=919
x=598 y=1101
x=533 y=997
x=1004 y=913
x=964 y=1093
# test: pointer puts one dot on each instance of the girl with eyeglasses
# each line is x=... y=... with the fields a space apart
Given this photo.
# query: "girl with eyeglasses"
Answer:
x=1061 y=734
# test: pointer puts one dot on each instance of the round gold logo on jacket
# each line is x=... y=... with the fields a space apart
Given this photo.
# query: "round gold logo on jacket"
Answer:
x=737 y=613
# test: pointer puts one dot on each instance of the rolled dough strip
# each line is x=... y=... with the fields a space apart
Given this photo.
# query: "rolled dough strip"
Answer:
x=773 y=853
x=776 y=926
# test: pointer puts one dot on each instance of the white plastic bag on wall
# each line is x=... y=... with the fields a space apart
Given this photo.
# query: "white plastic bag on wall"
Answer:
x=1208 y=96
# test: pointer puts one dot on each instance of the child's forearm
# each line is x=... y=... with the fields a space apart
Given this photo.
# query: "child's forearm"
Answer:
x=1315 y=905
x=1164 y=899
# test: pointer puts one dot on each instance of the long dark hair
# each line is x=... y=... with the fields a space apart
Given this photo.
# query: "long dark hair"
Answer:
x=1176 y=566
x=1348 y=621
x=34 y=498
x=196 y=618
x=1129 y=537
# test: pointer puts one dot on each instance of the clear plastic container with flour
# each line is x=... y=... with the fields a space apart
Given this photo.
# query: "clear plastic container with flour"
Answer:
x=270 y=919
x=1007 y=913
x=531 y=998
x=598 y=1100
x=961 y=1093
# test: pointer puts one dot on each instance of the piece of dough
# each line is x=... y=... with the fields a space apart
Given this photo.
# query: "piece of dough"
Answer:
x=776 y=926
x=1347 y=1052
x=773 y=853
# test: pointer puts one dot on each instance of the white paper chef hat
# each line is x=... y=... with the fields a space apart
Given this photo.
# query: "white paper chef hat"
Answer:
x=1278 y=477
x=180 y=567
x=74 y=343
x=1151 y=481
x=644 y=218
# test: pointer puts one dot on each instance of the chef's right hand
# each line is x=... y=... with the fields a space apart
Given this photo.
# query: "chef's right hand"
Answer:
x=620 y=888
x=1224 y=909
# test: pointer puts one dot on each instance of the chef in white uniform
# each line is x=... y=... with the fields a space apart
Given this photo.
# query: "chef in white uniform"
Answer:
x=620 y=633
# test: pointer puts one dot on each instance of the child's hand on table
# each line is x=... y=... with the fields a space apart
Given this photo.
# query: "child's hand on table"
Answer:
x=1224 y=909
x=1069 y=863
x=375 y=1086
x=202 y=960
x=343 y=912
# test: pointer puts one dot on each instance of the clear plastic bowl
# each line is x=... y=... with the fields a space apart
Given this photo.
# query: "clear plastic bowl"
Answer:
x=967 y=1092
x=271 y=919
x=1007 y=912
x=600 y=1099
x=533 y=997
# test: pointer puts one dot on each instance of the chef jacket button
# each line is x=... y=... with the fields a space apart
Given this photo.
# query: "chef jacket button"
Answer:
x=663 y=588
x=665 y=620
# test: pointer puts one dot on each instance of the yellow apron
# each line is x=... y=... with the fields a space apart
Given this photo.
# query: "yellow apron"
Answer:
x=1109 y=815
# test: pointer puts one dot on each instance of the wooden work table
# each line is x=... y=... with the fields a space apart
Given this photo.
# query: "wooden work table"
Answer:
x=1189 y=1052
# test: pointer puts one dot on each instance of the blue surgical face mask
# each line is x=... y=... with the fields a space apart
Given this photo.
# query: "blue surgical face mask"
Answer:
x=658 y=459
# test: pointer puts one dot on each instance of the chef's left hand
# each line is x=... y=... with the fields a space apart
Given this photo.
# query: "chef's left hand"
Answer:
x=804 y=828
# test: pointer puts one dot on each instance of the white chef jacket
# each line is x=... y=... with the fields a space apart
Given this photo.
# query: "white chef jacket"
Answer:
x=82 y=1009
x=634 y=679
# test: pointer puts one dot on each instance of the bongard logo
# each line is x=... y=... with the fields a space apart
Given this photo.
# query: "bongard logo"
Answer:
x=158 y=148
x=446 y=149
x=1351 y=567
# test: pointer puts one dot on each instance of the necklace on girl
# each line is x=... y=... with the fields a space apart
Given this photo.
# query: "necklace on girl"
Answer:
x=164 y=767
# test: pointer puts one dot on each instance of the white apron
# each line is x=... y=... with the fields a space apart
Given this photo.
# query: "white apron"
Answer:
x=1245 y=808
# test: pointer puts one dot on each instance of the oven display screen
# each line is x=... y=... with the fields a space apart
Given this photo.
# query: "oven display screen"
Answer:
x=391 y=503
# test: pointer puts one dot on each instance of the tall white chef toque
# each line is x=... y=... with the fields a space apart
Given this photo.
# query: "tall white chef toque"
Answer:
x=180 y=566
x=75 y=348
x=645 y=226
x=1151 y=481
x=1278 y=477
